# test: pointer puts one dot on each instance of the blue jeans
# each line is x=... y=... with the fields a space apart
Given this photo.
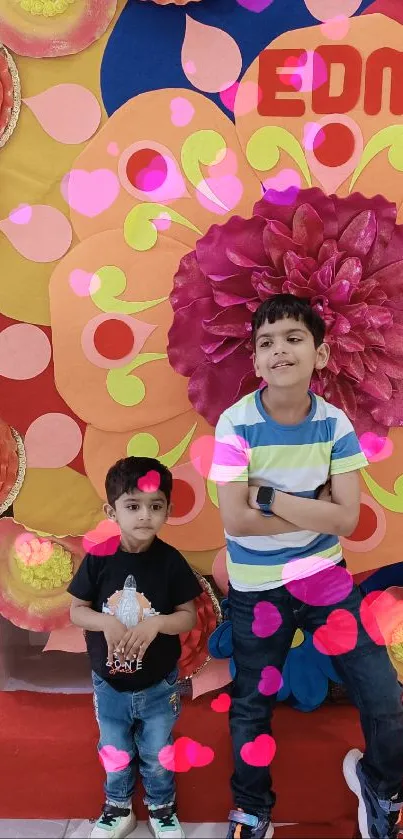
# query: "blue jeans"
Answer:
x=366 y=671
x=139 y=724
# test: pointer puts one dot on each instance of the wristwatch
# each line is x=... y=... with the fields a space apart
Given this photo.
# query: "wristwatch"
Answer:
x=265 y=498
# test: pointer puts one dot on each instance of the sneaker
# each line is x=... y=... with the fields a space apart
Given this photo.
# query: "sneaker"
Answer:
x=114 y=823
x=377 y=818
x=245 y=826
x=164 y=823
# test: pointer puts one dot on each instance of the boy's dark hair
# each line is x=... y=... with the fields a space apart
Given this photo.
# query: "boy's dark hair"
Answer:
x=282 y=306
x=124 y=475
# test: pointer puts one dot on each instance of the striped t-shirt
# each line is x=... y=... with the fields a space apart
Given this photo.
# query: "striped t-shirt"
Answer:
x=296 y=459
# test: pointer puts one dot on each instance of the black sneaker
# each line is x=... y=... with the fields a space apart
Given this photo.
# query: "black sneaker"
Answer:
x=377 y=818
x=245 y=826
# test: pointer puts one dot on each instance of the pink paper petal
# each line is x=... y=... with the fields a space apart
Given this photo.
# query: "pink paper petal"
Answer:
x=25 y=351
x=69 y=113
x=45 y=237
x=211 y=59
x=68 y=640
x=52 y=440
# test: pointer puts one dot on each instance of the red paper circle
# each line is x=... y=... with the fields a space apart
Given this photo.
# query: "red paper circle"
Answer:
x=334 y=144
x=113 y=339
x=183 y=498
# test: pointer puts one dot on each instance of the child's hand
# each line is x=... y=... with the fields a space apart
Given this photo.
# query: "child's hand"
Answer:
x=252 y=500
x=114 y=632
x=325 y=493
x=137 y=639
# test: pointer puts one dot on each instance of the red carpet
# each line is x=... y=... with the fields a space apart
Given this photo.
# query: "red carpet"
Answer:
x=48 y=752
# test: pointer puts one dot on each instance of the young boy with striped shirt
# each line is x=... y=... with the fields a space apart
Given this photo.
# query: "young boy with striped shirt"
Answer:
x=287 y=467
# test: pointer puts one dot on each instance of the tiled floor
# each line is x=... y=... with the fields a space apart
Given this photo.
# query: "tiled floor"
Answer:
x=78 y=829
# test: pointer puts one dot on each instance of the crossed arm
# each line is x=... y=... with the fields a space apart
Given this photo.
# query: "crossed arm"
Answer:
x=337 y=515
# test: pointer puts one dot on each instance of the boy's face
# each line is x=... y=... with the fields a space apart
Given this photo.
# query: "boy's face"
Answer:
x=285 y=353
x=140 y=515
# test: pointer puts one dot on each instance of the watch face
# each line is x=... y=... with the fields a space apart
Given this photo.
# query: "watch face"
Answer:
x=265 y=496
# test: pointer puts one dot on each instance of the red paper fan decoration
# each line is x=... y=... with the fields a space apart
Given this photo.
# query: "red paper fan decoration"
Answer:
x=10 y=95
x=194 y=644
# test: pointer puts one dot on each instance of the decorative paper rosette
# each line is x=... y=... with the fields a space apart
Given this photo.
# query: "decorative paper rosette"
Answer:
x=34 y=574
x=194 y=644
x=344 y=254
x=12 y=465
x=10 y=95
x=387 y=609
x=51 y=28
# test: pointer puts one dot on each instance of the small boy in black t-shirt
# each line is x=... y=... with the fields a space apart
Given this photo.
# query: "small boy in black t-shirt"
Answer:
x=134 y=604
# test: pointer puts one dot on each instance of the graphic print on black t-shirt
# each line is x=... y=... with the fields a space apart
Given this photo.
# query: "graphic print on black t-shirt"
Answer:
x=163 y=581
x=130 y=607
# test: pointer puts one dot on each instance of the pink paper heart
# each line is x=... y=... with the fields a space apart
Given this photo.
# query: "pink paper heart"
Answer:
x=113 y=760
x=149 y=482
x=259 y=752
x=338 y=635
x=90 y=193
x=221 y=703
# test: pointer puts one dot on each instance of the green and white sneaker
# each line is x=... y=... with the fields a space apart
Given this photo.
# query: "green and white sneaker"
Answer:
x=114 y=823
x=164 y=823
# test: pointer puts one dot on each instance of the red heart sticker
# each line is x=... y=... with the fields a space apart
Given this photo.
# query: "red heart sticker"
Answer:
x=221 y=703
x=150 y=482
x=338 y=635
x=259 y=752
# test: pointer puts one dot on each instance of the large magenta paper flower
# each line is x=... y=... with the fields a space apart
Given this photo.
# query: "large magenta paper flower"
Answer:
x=345 y=254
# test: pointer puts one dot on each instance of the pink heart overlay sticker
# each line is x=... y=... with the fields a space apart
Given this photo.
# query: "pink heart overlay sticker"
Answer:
x=90 y=193
x=338 y=635
x=184 y=755
x=150 y=482
x=113 y=760
x=104 y=540
x=267 y=619
x=271 y=681
x=376 y=448
x=259 y=752
x=221 y=703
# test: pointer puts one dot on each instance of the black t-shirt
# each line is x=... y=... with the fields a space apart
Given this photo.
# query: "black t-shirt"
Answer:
x=163 y=580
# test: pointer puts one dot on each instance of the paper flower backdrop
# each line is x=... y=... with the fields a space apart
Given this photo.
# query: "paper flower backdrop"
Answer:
x=194 y=643
x=51 y=28
x=10 y=95
x=34 y=574
x=167 y=176
x=344 y=254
